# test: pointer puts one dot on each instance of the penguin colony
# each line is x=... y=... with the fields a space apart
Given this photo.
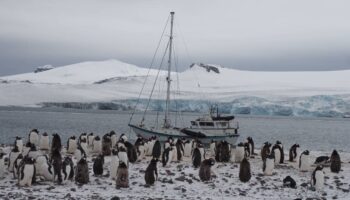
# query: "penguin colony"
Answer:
x=39 y=159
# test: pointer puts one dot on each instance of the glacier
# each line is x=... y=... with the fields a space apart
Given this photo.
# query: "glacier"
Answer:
x=112 y=84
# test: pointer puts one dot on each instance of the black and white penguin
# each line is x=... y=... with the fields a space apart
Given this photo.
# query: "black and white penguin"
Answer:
x=83 y=136
x=90 y=139
x=82 y=172
x=72 y=145
x=174 y=152
x=212 y=148
x=44 y=168
x=168 y=143
x=250 y=142
x=12 y=157
x=200 y=146
x=67 y=169
x=246 y=150
x=56 y=143
x=151 y=173
x=123 y=156
x=239 y=152
x=304 y=161
x=157 y=150
x=122 y=176
x=278 y=152
x=322 y=160
x=106 y=145
x=167 y=156
x=269 y=164
x=279 y=143
x=114 y=164
x=114 y=138
x=141 y=151
x=83 y=144
x=196 y=158
x=131 y=152
x=44 y=143
x=225 y=151
x=2 y=164
x=179 y=150
x=265 y=151
x=205 y=169
x=289 y=182
x=19 y=143
x=187 y=148
x=16 y=165
x=26 y=175
x=56 y=162
x=335 y=162
x=317 y=178
x=97 y=145
x=139 y=140
x=244 y=171
x=98 y=165
x=293 y=152
x=79 y=153
x=34 y=137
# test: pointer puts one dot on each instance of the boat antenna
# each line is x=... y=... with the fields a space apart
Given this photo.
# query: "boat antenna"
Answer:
x=168 y=79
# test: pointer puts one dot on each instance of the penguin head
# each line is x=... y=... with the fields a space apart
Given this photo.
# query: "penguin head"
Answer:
x=82 y=140
x=28 y=160
x=114 y=152
x=211 y=162
x=45 y=134
x=319 y=167
x=170 y=139
x=306 y=152
x=82 y=161
x=56 y=136
x=72 y=138
x=278 y=142
x=97 y=138
x=34 y=130
x=90 y=134
x=123 y=137
x=335 y=153
x=154 y=160
x=240 y=144
x=112 y=133
x=122 y=149
x=18 y=138
x=122 y=164
x=28 y=144
x=32 y=147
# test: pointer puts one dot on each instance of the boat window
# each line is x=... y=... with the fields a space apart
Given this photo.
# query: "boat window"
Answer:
x=206 y=123
x=223 y=124
x=193 y=123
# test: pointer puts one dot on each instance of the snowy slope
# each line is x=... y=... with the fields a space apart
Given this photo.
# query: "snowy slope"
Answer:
x=251 y=92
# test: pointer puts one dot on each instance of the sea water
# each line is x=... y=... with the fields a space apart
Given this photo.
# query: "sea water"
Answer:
x=322 y=134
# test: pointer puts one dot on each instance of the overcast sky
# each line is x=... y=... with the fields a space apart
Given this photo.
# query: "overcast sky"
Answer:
x=241 y=34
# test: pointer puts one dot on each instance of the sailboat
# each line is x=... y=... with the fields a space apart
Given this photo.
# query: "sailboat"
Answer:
x=212 y=127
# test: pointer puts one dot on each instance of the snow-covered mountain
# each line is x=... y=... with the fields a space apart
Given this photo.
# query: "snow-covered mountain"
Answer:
x=114 y=84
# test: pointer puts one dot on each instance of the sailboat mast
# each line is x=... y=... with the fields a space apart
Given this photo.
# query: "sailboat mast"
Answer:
x=166 y=119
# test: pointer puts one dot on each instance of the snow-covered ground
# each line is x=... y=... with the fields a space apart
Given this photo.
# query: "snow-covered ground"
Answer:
x=112 y=81
x=181 y=181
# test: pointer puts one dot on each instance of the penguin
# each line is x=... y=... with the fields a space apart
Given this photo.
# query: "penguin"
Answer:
x=98 y=165
x=179 y=150
x=56 y=162
x=44 y=143
x=196 y=158
x=157 y=150
x=205 y=169
x=277 y=150
x=279 y=143
x=212 y=147
x=239 y=152
x=44 y=168
x=34 y=137
x=82 y=172
x=244 y=171
x=131 y=152
x=167 y=156
x=83 y=144
x=151 y=173
x=26 y=175
x=246 y=150
x=33 y=152
x=114 y=164
x=139 y=140
x=2 y=164
x=269 y=164
x=140 y=149
x=251 y=145
x=289 y=182
x=120 y=144
x=167 y=144
x=321 y=160
x=97 y=145
x=12 y=157
x=201 y=149
x=16 y=165
x=265 y=151
x=56 y=143
x=19 y=143
x=123 y=156
x=293 y=152
x=335 y=162
x=218 y=153
x=304 y=161
x=67 y=169
x=114 y=138
x=106 y=145
x=71 y=145
x=122 y=176
x=317 y=178
x=174 y=152
x=225 y=151
x=79 y=153
x=187 y=148
x=90 y=139
x=83 y=136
